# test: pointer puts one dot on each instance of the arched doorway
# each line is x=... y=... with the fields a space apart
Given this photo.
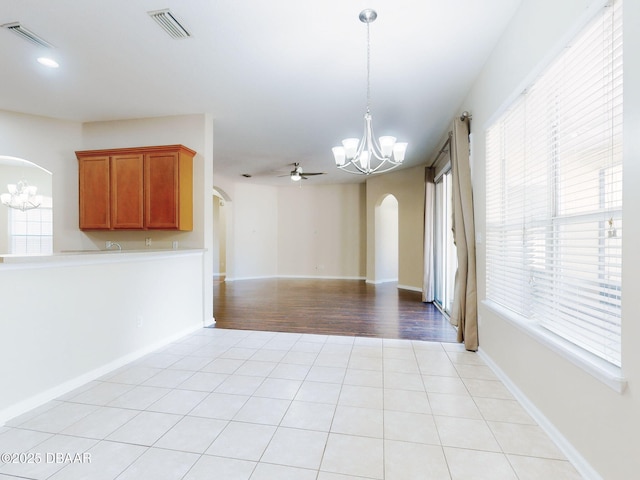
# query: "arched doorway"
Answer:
x=386 y=240
x=221 y=231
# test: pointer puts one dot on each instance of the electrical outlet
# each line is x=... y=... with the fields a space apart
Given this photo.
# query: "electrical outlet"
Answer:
x=147 y=242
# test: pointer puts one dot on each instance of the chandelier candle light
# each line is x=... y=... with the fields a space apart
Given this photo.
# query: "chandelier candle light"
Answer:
x=368 y=155
x=21 y=196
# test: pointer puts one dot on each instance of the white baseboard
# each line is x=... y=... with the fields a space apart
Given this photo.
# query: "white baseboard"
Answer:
x=409 y=287
x=52 y=393
x=325 y=277
x=306 y=277
x=320 y=277
x=400 y=286
x=263 y=277
x=384 y=280
x=573 y=455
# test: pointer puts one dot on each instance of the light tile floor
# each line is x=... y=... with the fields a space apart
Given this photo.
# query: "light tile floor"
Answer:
x=238 y=405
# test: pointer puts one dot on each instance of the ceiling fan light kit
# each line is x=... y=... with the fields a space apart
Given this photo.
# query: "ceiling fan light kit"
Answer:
x=298 y=174
x=369 y=155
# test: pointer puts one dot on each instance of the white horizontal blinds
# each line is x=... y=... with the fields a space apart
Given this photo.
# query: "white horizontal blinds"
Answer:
x=507 y=278
x=579 y=292
x=554 y=199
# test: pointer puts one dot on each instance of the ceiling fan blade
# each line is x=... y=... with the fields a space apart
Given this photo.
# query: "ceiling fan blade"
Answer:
x=315 y=173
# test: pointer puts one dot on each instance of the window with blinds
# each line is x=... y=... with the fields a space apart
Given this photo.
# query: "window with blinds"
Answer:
x=31 y=231
x=554 y=194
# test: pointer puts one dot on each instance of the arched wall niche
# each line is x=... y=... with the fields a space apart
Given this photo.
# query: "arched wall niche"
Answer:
x=386 y=241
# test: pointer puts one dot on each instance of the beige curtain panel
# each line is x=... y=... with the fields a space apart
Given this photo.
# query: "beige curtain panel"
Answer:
x=429 y=228
x=464 y=313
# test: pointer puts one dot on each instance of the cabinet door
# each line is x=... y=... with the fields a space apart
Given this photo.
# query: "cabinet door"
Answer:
x=161 y=179
x=94 y=205
x=127 y=208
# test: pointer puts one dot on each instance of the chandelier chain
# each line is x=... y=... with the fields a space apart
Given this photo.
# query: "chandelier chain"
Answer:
x=368 y=70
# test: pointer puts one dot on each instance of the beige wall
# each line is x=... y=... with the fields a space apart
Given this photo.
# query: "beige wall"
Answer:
x=408 y=187
x=265 y=224
x=49 y=143
x=603 y=425
x=321 y=231
x=255 y=228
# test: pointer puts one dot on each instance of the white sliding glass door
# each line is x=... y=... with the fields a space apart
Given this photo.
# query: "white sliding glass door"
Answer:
x=446 y=261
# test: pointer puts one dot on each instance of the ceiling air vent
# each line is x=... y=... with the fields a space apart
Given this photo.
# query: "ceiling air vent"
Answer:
x=169 y=23
x=18 y=29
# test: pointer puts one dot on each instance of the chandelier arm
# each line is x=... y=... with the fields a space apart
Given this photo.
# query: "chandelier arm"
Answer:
x=352 y=172
x=356 y=168
x=374 y=146
x=388 y=164
x=362 y=144
x=370 y=145
x=382 y=167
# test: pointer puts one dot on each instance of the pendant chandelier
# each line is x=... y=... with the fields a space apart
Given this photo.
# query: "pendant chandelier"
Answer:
x=369 y=155
x=21 y=196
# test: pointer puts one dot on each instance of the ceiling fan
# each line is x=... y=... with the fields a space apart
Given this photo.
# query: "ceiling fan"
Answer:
x=297 y=173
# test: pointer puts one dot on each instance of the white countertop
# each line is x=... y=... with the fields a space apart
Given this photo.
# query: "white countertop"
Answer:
x=93 y=256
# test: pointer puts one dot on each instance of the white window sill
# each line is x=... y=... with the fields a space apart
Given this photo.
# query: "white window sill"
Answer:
x=607 y=373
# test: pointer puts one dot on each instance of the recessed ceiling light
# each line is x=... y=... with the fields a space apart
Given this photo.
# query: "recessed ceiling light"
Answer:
x=48 y=62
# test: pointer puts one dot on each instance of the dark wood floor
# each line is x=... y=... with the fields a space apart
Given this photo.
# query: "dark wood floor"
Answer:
x=330 y=307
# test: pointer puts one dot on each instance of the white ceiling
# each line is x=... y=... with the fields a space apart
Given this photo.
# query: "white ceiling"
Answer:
x=285 y=80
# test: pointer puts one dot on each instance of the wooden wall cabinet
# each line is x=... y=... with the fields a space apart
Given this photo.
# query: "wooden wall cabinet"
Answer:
x=143 y=188
x=127 y=187
x=95 y=203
